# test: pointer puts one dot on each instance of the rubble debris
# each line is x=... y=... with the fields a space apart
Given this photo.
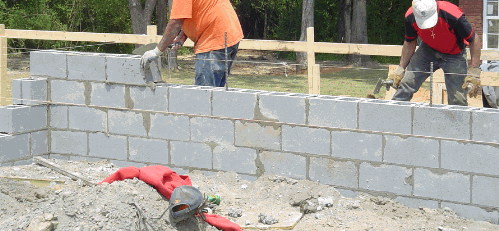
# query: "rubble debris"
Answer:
x=235 y=213
x=267 y=219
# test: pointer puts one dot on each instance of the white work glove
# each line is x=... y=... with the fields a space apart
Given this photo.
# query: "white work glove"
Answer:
x=472 y=81
x=148 y=57
x=397 y=76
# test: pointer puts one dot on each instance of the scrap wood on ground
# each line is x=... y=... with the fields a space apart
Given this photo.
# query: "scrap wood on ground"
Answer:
x=270 y=203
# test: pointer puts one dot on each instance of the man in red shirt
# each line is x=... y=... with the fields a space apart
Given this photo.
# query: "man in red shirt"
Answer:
x=205 y=22
x=444 y=33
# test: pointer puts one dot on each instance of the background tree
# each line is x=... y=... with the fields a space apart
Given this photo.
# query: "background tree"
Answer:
x=359 y=30
x=307 y=20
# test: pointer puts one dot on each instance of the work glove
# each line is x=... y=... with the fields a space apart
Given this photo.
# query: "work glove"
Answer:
x=472 y=81
x=148 y=57
x=397 y=76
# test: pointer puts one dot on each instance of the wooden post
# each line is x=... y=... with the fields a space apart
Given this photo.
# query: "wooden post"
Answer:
x=317 y=79
x=152 y=34
x=438 y=86
x=4 y=80
x=310 y=59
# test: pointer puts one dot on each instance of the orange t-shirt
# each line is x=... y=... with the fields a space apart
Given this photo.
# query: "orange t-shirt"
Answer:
x=206 y=21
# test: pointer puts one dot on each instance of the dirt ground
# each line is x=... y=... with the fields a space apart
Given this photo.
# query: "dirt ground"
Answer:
x=64 y=204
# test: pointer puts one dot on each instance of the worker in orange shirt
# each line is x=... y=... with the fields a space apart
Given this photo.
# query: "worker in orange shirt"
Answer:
x=205 y=22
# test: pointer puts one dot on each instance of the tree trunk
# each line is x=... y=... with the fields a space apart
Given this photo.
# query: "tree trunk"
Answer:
x=359 y=30
x=307 y=20
x=344 y=22
x=141 y=17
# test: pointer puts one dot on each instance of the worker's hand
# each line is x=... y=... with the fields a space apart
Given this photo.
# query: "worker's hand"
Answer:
x=175 y=46
x=472 y=81
x=148 y=57
x=397 y=76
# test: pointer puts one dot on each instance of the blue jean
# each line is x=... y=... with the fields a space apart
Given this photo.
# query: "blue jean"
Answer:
x=210 y=66
x=454 y=67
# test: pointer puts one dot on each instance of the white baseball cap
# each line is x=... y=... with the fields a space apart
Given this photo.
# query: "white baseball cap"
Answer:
x=425 y=12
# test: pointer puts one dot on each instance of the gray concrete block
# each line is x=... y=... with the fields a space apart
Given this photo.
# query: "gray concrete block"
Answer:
x=124 y=69
x=348 y=193
x=212 y=130
x=484 y=125
x=386 y=178
x=48 y=63
x=234 y=159
x=72 y=92
x=59 y=157
x=180 y=171
x=331 y=172
x=148 y=150
x=86 y=158
x=18 y=118
x=17 y=92
x=331 y=111
x=121 y=163
x=411 y=151
x=14 y=147
x=248 y=178
x=170 y=127
x=66 y=142
x=59 y=116
x=24 y=162
x=258 y=135
x=127 y=123
x=284 y=164
x=39 y=143
x=188 y=154
x=190 y=100
x=306 y=140
x=235 y=103
x=283 y=107
x=86 y=66
x=113 y=147
x=442 y=121
x=356 y=145
x=6 y=164
x=417 y=203
x=386 y=116
x=484 y=191
x=34 y=91
x=470 y=157
x=473 y=212
x=108 y=95
x=87 y=119
x=444 y=186
x=144 y=98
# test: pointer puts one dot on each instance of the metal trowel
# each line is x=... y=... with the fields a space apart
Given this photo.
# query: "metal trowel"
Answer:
x=387 y=83
x=152 y=71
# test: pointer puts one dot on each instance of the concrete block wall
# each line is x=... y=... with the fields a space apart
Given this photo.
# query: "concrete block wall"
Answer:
x=439 y=156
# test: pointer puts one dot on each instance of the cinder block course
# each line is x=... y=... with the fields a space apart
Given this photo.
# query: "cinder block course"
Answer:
x=332 y=172
x=28 y=161
x=148 y=150
x=212 y=130
x=258 y=135
x=126 y=123
x=86 y=66
x=331 y=111
x=59 y=116
x=121 y=163
x=284 y=164
x=234 y=159
x=235 y=103
x=17 y=92
x=411 y=151
x=34 y=91
x=13 y=147
x=442 y=121
x=108 y=95
x=356 y=145
x=417 y=203
x=67 y=142
x=485 y=191
x=124 y=69
x=189 y=154
x=484 y=125
x=470 y=157
x=144 y=98
x=113 y=147
x=18 y=118
x=170 y=127
x=87 y=119
x=283 y=107
x=189 y=100
x=448 y=186
x=306 y=140
x=71 y=92
x=386 y=116
x=48 y=63
x=473 y=212
x=39 y=143
x=386 y=178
